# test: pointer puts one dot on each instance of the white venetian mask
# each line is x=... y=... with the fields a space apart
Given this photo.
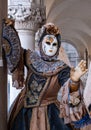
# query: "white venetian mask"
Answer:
x=49 y=45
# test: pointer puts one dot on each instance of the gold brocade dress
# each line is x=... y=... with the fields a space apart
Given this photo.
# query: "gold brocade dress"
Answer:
x=37 y=106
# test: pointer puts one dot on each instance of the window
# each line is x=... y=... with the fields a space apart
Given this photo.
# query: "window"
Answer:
x=71 y=52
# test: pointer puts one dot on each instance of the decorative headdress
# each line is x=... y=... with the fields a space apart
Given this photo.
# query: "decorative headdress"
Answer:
x=51 y=29
x=46 y=29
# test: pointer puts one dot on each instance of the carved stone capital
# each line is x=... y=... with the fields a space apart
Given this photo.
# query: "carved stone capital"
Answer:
x=27 y=17
x=26 y=25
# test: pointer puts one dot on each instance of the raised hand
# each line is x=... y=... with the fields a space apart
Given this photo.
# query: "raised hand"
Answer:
x=80 y=70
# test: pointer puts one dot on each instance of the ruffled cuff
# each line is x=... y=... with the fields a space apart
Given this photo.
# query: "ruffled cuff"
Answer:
x=74 y=85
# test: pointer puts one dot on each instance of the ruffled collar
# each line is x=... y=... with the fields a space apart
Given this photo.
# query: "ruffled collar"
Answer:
x=43 y=66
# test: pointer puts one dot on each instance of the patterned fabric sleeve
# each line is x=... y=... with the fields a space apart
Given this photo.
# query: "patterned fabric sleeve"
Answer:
x=18 y=73
x=72 y=107
x=14 y=54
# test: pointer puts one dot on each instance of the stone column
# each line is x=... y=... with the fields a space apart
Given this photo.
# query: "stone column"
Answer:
x=29 y=16
x=3 y=73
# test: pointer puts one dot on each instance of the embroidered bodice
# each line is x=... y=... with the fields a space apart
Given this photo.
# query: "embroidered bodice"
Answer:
x=43 y=80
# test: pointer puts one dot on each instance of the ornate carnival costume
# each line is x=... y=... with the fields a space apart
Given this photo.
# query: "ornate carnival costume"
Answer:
x=37 y=107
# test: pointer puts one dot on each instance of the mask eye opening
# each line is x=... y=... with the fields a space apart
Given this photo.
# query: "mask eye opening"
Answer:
x=54 y=44
x=48 y=43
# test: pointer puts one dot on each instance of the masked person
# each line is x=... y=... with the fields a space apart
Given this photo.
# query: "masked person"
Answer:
x=37 y=106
